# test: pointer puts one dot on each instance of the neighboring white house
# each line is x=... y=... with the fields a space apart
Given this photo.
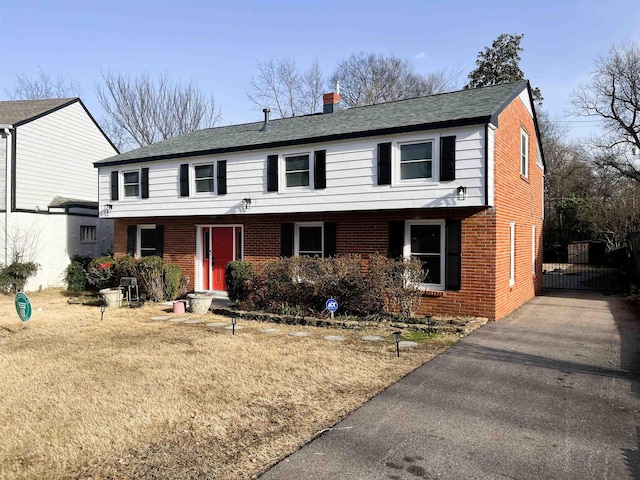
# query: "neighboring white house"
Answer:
x=48 y=186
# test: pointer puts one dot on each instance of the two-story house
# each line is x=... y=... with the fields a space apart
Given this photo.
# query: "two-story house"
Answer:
x=454 y=179
x=48 y=195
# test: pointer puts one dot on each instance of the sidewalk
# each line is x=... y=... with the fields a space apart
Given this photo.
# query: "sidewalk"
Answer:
x=549 y=393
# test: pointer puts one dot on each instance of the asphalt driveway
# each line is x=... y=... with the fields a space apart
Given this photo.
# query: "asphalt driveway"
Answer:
x=551 y=392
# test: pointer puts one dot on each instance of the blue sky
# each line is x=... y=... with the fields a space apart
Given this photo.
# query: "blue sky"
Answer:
x=217 y=44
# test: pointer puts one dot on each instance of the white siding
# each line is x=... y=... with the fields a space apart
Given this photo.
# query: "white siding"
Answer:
x=55 y=155
x=351 y=172
x=3 y=170
x=491 y=165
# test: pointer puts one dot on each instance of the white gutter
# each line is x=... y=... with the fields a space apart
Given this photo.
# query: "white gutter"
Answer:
x=7 y=129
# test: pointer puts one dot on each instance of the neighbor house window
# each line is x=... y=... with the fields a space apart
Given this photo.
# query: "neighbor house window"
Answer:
x=416 y=161
x=87 y=233
x=424 y=240
x=146 y=240
x=309 y=240
x=512 y=254
x=524 y=153
x=533 y=250
x=204 y=178
x=131 y=184
x=297 y=171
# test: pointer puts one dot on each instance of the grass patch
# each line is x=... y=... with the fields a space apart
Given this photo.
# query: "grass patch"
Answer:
x=129 y=398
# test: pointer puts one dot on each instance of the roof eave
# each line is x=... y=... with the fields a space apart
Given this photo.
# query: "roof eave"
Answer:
x=322 y=138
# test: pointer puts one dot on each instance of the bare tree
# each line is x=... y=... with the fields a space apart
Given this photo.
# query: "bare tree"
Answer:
x=280 y=86
x=371 y=79
x=613 y=96
x=150 y=110
x=43 y=86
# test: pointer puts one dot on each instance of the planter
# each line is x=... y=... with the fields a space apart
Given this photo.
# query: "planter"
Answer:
x=199 y=302
x=178 y=306
x=112 y=297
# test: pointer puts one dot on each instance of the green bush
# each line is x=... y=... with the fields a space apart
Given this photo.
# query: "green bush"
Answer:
x=161 y=281
x=13 y=277
x=76 y=273
x=101 y=272
x=238 y=276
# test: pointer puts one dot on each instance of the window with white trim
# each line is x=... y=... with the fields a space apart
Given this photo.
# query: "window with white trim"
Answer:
x=416 y=161
x=204 y=178
x=131 y=184
x=512 y=254
x=87 y=233
x=524 y=153
x=309 y=239
x=297 y=171
x=146 y=241
x=425 y=240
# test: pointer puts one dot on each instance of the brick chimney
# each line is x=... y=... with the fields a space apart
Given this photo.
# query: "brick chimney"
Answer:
x=331 y=102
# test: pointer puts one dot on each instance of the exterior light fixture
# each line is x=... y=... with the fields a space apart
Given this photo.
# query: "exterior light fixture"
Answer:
x=246 y=203
x=462 y=193
x=107 y=208
x=102 y=309
x=396 y=338
x=234 y=320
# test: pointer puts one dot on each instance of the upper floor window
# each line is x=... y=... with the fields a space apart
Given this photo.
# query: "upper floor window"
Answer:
x=204 y=178
x=297 y=171
x=425 y=240
x=524 y=153
x=131 y=182
x=416 y=160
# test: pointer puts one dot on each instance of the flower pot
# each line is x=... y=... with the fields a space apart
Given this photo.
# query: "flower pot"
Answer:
x=199 y=302
x=178 y=306
x=112 y=297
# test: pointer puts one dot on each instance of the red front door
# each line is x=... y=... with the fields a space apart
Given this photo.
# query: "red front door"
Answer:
x=217 y=251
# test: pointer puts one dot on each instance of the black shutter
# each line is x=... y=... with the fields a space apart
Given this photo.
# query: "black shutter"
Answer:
x=184 y=180
x=329 y=239
x=396 y=239
x=144 y=184
x=447 y=158
x=159 y=240
x=453 y=252
x=272 y=173
x=222 y=177
x=384 y=164
x=132 y=230
x=114 y=185
x=320 y=170
x=286 y=240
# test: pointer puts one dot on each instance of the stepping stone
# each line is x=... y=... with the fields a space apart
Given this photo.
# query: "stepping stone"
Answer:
x=160 y=318
x=270 y=330
x=194 y=321
x=407 y=344
x=178 y=320
x=230 y=327
x=299 y=334
x=216 y=324
x=334 y=338
x=372 y=338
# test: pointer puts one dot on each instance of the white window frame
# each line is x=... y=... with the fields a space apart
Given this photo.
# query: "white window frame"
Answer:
x=283 y=172
x=88 y=234
x=139 y=238
x=192 y=179
x=407 y=249
x=524 y=153
x=124 y=189
x=397 y=162
x=512 y=254
x=296 y=239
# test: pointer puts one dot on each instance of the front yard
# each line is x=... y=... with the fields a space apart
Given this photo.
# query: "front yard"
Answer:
x=127 y=397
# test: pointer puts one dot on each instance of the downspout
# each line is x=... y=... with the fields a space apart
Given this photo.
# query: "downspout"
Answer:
x=7 y=187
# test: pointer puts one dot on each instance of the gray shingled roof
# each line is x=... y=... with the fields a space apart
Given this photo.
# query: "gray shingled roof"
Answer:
x=17 y=111
x=463 y=107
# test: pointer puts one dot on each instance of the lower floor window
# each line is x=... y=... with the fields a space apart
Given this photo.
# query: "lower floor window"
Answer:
x=147 y=240
x=87 y=233
x=424 y=240
x=309 y=239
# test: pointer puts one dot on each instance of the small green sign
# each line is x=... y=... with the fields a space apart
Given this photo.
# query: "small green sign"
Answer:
x=23 y=306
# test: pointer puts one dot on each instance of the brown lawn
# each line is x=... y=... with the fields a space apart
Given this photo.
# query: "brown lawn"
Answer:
x=130 y=398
